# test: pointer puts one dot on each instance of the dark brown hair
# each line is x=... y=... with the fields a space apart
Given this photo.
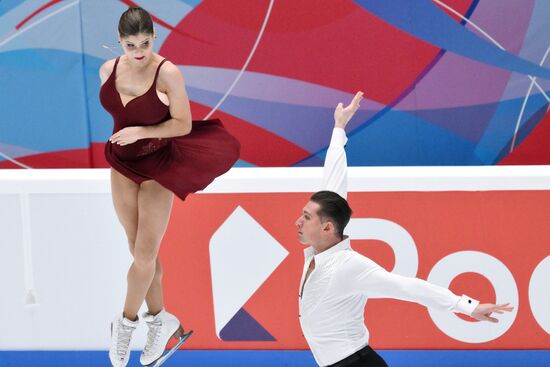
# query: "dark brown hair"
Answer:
x=333 y=208
x=134 y=21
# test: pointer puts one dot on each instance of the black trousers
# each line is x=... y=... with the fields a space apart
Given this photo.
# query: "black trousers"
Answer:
x=365 y=357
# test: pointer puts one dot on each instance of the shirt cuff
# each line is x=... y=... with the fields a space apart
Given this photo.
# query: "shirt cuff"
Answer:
x=466 y=305
x=339 y=137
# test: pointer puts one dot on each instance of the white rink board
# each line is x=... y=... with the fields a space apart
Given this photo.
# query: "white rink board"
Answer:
x=79 y=252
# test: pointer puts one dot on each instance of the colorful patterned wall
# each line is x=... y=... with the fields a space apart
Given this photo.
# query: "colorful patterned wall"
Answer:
x=447 y=82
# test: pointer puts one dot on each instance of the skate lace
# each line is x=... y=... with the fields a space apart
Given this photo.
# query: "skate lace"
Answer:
x=123 y=340
x=153 y=336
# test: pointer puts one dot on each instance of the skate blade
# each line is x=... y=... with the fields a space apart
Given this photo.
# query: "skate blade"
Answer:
x=163 y=359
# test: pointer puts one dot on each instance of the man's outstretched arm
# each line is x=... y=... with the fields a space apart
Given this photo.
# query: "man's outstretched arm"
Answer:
x=362 y=275
x=335 y=176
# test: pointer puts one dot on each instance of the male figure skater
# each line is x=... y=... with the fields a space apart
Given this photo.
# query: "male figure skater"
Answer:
x=337 y=281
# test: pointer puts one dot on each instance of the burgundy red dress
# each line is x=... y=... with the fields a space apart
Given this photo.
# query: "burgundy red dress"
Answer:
x=181 y=164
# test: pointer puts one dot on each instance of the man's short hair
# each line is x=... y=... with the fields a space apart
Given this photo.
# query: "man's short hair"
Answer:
x=333 y=208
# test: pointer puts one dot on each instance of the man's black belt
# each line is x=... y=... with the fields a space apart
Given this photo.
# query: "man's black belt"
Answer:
x=357 y=356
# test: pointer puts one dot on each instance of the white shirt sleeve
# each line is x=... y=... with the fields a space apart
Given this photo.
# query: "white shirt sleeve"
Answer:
x=364 y=276
x=335 y=176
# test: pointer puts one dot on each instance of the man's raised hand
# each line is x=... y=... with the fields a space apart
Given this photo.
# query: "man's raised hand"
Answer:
x=342 y=114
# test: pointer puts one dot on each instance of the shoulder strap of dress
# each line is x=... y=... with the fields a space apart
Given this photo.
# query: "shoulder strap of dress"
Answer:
x=116 y=63
x=112 y=76
x=158 y=70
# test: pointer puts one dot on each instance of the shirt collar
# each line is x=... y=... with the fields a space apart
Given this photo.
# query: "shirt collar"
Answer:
x=340 y=246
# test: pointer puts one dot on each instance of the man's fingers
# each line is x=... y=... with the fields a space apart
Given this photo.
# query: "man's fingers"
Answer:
x=491 y=319
x=486 y=316
x=483 y=312
x=356 y=99
x=358 y=96
x=504 y=307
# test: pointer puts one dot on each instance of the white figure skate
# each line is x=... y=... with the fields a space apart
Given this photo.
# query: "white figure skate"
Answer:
x=121 y=335
x=162 y=327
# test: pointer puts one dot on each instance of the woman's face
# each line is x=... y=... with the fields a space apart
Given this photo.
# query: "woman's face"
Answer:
x=138 y=48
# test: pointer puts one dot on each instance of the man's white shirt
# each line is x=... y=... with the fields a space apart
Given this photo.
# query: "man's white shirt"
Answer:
x=333 y=299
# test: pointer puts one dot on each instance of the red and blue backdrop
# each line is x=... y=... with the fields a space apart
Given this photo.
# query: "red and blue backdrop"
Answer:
x=446 y=82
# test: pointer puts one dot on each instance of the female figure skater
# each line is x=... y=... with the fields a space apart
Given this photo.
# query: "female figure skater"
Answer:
x=156 y=150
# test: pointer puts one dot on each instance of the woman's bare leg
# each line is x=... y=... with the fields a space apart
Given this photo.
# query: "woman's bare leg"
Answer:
x=125 y=201
x=154 y=206
x=154 y=297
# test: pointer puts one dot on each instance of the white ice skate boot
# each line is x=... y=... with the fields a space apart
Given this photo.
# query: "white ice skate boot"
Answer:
x=162 y=327
x=121 y=335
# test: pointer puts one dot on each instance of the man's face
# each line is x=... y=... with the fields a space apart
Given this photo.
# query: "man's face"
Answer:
x=310 y=228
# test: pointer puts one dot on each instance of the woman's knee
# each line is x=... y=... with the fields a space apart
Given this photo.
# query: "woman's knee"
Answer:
x=146 y=256
x=132 y=245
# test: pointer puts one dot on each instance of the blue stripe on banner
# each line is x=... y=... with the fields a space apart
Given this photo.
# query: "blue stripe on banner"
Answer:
x=290 y=358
